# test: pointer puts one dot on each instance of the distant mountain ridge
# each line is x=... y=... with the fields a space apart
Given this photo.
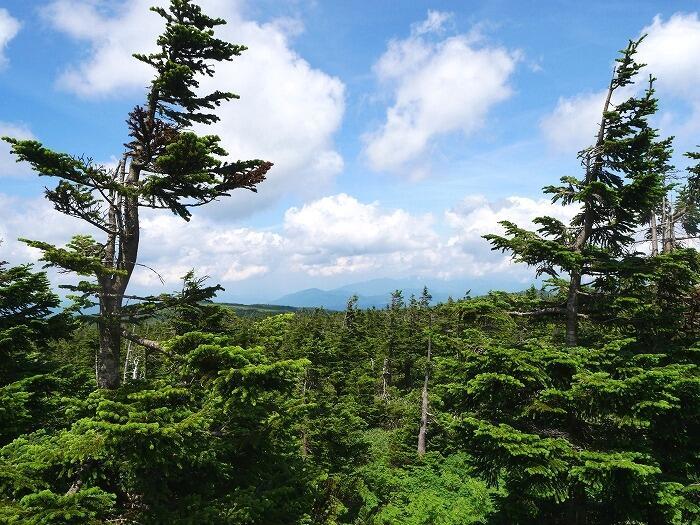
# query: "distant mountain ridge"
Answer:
x=259 y=310
x=337 y=298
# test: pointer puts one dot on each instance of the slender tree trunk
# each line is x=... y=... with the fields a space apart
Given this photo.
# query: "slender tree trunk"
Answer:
x=126 y=361
x=667 y=227
x=110 y=342
x=654 y=236
x=120 y=253
x=385 y=378
x=671 y=238
x=592 y=168
x=135 y=372
x=304 y=437
x=572 y=309
x=422 y=432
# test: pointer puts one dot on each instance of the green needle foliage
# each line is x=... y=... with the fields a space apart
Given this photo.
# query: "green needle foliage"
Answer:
x=165 y=165
x=622 y=183
x=477 y=411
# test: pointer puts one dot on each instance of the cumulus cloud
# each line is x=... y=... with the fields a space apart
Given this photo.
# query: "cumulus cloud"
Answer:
x=339 y=234
x=227 y=254
x=671 y=51
x=476 y=216
x=288 y=112
x=337 y=237
x=573 y=123
x=112 y=36
x=8 y=166
x=439 y=87
x=9 y=27
x=28 y=218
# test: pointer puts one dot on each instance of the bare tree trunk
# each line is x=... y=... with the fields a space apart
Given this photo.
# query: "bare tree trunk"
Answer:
x=572 y=302
x=126 y=361
x=121 y=252
x=385 y=378
x=667 y=244
x=424 y=403
x=572 y=309
x=304 y=438
x=110 y=342
x=142 y=341
x=671 y=228
x=654 y=236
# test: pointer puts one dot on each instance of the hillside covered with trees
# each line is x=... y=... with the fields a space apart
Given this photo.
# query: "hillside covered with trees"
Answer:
x=577 y=402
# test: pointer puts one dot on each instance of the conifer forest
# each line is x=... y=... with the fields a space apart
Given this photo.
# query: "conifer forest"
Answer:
x=573 y=401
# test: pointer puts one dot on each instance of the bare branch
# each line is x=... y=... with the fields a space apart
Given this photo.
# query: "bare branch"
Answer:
x=557 y=310
x=160 y=277
x=147 y=343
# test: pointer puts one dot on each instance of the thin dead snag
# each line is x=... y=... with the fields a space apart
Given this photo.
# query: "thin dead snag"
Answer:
x=147 y=343
x=555 y=310
x=593 y=165
x=654 y=235
x=385 y=379
x=304 y=437
x=422 y=432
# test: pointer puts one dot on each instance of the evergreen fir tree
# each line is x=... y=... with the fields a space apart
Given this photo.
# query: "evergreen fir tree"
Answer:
x=678 y=218
x=164 y=166
x=622 y=184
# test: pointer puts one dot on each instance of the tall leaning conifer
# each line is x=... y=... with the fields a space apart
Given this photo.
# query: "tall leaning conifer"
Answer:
x=622 y=183
x=165 y=165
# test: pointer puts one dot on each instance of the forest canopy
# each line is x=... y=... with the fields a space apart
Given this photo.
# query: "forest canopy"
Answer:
x=574 y=402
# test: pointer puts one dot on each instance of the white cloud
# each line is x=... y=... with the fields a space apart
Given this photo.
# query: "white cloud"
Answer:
x=336 y=236
x=8 y=165
x=342 y=237
x=236 y=272
x=112 y=36
x=9 y=27
x=339 y=234
x=475 y=216
x=434 y=23
x=439 y=87
x=342 y=223
x=573 y=123
x=28 y=218
x=227 y=254
x=671 y=51
x=288 y=112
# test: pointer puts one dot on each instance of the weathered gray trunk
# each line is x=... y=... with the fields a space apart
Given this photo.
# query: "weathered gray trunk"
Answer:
x=592 y=169
x=654 y=235
x=572 y=309
x=107 y=372
x=424 y=405
x=385 y=378
x=668 y=227
x=120 y=253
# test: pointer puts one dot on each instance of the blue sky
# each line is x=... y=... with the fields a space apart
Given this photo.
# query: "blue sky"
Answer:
x=401 y=131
